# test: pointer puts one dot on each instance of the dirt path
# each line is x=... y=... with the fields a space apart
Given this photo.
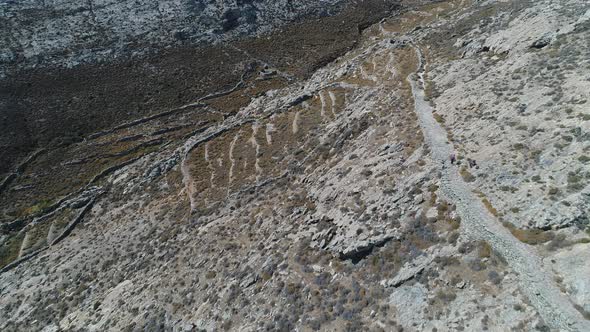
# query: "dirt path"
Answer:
x=477 y=223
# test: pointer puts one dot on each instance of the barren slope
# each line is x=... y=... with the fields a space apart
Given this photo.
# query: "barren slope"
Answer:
x=327 y=200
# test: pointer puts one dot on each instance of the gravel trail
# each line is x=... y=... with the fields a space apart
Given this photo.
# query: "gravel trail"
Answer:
x=535 y=279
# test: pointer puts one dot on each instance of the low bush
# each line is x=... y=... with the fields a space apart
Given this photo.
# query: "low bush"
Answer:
x=439 y=118
x=467 y=176
x=447 y=296
x=494 y=277
x=484 y=250
x=530 y=236
x=490 y=207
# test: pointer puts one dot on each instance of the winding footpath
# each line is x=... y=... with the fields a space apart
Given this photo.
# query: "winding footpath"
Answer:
x=535 y=280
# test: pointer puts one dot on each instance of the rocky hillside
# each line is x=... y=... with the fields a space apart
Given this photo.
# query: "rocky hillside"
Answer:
x=58 y=62
x=411 y=166
x=41 y=33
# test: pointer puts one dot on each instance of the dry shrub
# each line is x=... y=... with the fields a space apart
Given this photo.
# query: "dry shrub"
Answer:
x=447 y=296
x=467 y=176
x=530 y=236
x=490 y=207
x=439 y=118
x=484 y=250
x=455 y=224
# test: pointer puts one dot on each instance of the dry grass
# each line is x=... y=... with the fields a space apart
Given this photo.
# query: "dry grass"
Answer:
x=408 y=21
x=36 y=208
x=490 y=207
x=455 y=223
x=484 y=250
x=439 y=118
x=9 y=251
x=433 y=198
x=233 y=102
x=529 y=236
x=486 y=202
x=466 y=175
